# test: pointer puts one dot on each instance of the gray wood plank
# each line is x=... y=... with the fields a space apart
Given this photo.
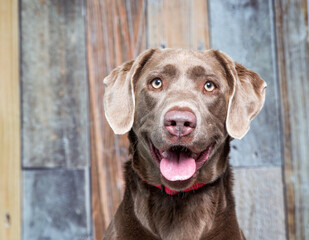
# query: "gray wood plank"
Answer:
x=259 y=202
x=292 y=23
x=55 y=206
x=244 y=30
x=54 y=84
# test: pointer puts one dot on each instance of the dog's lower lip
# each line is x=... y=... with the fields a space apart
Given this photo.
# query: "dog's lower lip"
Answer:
x=155 y=152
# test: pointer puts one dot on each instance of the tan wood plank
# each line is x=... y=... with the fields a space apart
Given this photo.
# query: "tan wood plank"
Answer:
x=292 y=29
x=259 y=202
x=177 y=24
x=10 y=153
x=116 y=33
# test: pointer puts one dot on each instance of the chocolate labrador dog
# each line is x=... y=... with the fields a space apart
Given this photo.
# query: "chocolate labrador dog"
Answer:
x=181 y=109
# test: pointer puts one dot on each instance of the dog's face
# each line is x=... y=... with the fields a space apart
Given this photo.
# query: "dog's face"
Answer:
x=182 y=106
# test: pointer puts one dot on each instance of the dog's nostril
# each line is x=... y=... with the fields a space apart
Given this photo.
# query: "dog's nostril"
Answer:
x=173 y=123
x=187 y=124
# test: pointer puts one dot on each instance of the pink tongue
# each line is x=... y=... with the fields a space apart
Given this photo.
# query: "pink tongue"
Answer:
x=174 y=169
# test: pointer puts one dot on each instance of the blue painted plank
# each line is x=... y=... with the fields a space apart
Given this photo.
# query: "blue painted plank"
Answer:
x=55 y=205
x=244 y=30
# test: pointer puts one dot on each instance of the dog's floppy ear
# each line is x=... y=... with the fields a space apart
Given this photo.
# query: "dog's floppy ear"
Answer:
x=247 y=97
x=119 y=99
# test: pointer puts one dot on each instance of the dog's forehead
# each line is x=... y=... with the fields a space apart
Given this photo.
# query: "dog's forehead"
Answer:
x=185 y=61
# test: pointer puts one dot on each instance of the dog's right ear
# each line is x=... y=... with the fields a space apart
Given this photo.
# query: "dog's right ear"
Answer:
x=119 y=99
x=246 y=98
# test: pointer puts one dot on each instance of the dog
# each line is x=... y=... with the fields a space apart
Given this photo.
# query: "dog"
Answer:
x=181 y=109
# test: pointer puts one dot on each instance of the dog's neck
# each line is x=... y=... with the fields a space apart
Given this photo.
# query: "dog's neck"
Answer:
x=181 y=214
x=189 y=214
x=169 y=191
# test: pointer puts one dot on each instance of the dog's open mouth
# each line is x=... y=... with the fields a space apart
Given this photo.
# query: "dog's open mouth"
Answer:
x=179 y=163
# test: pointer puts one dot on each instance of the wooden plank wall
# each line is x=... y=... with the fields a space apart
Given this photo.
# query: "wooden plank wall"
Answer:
x=292 y=27
x=67 y=46
x=55 y=135
x=241 y=29
x=249 y=38
x=177 y=24
x=115 y=33
x=10 y=171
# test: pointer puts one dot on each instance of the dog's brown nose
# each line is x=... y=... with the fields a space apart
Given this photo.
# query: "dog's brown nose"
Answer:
x=179 y=123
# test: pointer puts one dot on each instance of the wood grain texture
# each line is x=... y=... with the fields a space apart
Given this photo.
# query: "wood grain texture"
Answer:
x=55 y=205
x=244 y=30
x=10 y=152
x=260 y=205
x=116 y=33
x=177 y=24
x=54 y=84
x=293 y=59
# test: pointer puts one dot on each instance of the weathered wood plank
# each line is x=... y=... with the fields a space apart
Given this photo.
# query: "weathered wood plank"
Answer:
x=293 y=59
x=177 y=24
x=54 y=84
x=55 y=206
x=116 y=33
x=260 y=205
x=244 y=30
x=10 y=153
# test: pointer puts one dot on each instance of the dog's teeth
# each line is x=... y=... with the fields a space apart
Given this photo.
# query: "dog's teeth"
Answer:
x=164 y=154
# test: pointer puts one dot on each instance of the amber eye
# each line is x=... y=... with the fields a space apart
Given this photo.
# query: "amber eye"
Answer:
x=209 y=86
x=156 y=83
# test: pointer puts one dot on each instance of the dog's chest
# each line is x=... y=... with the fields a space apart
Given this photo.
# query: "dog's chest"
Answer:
x=174 y=217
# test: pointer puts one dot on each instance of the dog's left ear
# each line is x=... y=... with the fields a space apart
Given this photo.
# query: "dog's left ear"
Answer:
x=246 y=99
x=119 y=99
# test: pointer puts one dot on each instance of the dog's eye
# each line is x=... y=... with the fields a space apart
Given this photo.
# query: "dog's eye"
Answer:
x=156 y=83
x=209 y=86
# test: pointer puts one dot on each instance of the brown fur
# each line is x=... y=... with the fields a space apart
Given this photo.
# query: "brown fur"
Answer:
x=206 y=213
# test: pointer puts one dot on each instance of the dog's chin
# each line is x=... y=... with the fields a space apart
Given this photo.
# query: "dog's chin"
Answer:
x=179 y=165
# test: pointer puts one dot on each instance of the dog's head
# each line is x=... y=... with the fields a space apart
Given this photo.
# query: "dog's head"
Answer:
x=182 y=106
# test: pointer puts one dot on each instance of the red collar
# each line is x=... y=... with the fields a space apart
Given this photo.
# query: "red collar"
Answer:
x=169 y=191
